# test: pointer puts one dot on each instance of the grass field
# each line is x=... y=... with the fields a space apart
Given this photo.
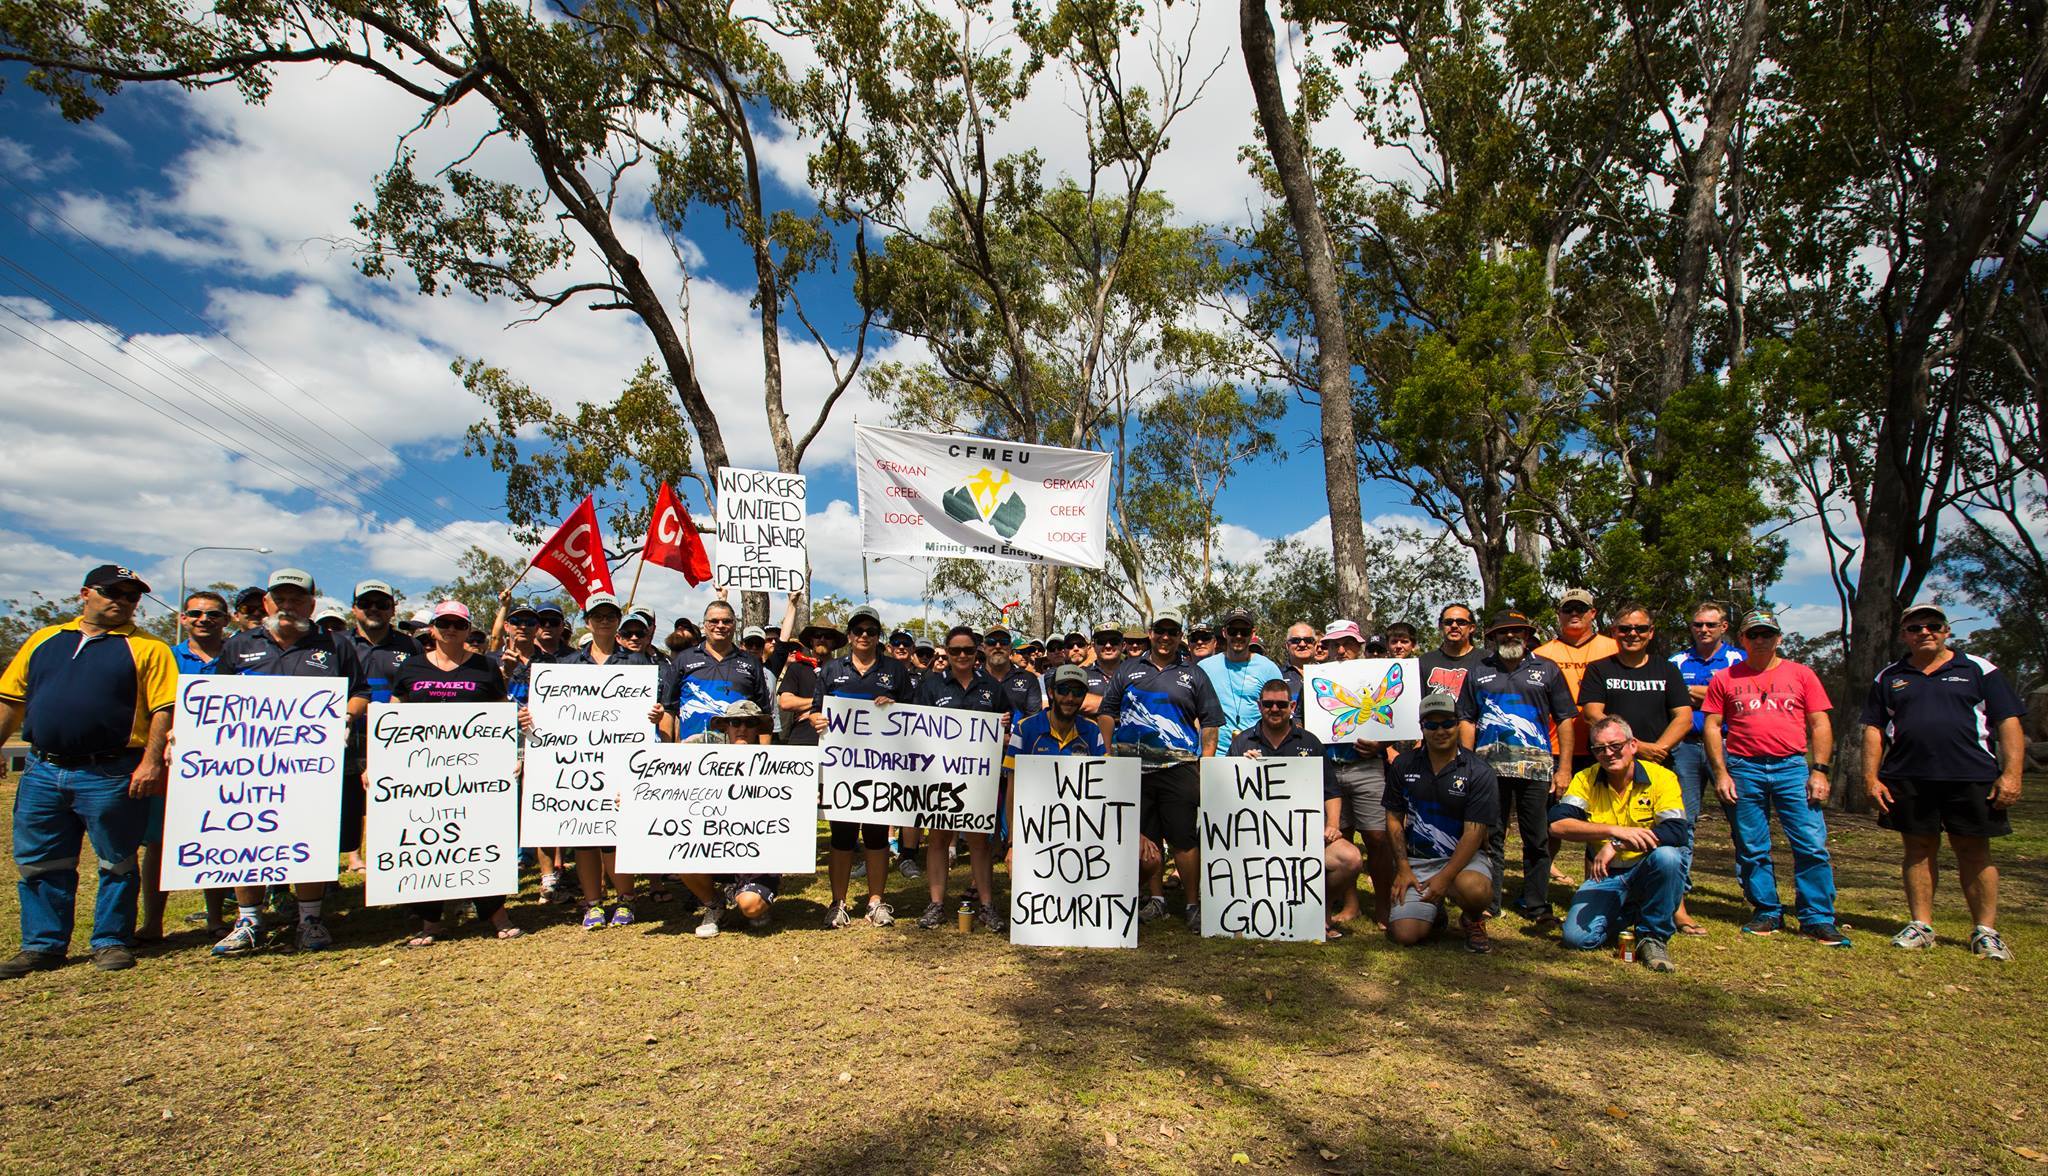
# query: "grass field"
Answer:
x=871 y=1050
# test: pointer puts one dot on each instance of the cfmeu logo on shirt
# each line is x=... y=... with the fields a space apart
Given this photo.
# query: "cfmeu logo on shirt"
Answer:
x=982 y=500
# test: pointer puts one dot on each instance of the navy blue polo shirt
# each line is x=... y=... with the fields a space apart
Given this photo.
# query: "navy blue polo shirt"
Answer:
x=1158 y=713
x=1941 y=724
x=1098 y=682
x=1021 y=692
x=1297 y=742
x=1438 y=805
x=699 y=686
x=884 y=679
x=314 y=655
x=980 y=694
x=380 y=659
x=1513 y=711
x=519 y=682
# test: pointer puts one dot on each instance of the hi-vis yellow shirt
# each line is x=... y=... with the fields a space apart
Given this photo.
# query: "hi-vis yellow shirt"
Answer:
x=1652 y=796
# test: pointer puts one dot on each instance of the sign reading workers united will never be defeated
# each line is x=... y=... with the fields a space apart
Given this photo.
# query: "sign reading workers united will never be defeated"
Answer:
x=980 y=498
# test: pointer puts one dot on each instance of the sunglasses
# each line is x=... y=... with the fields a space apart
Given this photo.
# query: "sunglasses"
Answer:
x=863 y=632
x=1275 y=703
x=1237 y=632
x=1709 y=624
x=1634 y=629
x=1301 y=641
x=1438 y=724
x=1916 y=627
x=205 y=614
x=1609 y=748
x=1760 y=634
x=1574 y=607
x=1070 y=690
x=125 y=595
x=1165 y=631
x=376 y=603
x=1461 y=622
x=960 y=649
x=450 y=623
x=632 y=630
x=1109 y=642
x=720 y=621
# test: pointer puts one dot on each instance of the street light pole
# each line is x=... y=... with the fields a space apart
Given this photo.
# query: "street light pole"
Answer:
x=182 y=590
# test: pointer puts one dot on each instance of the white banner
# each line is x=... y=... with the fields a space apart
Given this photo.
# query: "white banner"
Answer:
x=718 y=808
x=1262 y=848
x=925 y=767
x=1074 y=877
x=1369 y=698
x=977 y=498
x=443 y=813
x=255 y=781
x=579 y=714
x=760 y=544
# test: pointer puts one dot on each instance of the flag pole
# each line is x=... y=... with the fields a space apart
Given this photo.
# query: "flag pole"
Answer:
x=635 y=589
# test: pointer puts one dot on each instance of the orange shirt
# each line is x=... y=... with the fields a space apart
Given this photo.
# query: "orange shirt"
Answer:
x=1573 y=660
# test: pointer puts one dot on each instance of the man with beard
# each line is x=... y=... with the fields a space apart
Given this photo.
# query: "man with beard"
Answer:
x=289 y=646
x=1511 y=706
x=1443 y=804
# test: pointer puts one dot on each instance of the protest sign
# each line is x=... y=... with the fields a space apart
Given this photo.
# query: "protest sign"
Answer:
x=580 y=715
x=921 y=766
x=718 y=808
x=1368 y=698
x=977 y=498
x=1074 y=878
x=760 y=531
x=255 y=781
x=1262 y=848
x=443 y=814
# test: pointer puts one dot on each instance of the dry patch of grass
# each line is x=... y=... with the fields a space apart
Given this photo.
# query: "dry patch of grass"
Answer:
x=865 y=1050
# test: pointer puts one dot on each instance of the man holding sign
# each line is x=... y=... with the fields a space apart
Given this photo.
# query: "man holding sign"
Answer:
x=1276 y=735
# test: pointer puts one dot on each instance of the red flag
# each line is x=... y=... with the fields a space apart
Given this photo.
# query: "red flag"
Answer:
x=575 y=554
x=672 y=539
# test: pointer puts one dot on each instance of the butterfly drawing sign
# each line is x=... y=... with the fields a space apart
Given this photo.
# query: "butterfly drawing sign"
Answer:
x=1370 y=698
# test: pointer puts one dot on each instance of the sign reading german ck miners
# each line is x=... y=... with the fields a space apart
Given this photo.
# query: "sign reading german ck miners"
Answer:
x=922 y=767
x=760 y=531
x=979 y=498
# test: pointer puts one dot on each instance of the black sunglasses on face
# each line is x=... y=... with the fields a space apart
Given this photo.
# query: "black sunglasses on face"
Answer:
x=1708 y=624
x=1165 y=631
x=451 y=623
x=1070 y=690
x=1462 y=622
x=1438 y=724
x=205 y=614
x=959 y=649
x=859 y=632
x=125 y=595
x=374 y=602
x=1237 y=631
x=1634 y=629
x=1919 y=627
x=1275 y=703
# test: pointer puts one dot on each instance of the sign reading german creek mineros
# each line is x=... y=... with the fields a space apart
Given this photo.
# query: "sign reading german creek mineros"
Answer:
x=1075 y=867
x=1367 y=698
x=582 y=715
x=760 y=544
x=979 y=498
x=1262 y=848
x=714 y=808
x=443 y=814
x=255 y=781
x=924 y=767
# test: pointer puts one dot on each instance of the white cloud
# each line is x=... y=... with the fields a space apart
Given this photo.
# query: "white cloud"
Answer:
x=1810 y=620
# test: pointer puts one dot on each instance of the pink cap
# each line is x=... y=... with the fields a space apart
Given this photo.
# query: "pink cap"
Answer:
x=1340 y=630
x=451 y=608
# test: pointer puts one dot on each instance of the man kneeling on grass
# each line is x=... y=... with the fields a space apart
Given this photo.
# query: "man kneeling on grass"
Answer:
x=1442 y=803
x=750 y=894
x=1635 y=810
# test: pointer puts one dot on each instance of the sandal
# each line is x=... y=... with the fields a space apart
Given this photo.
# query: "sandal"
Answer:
x=510 y=933
x=1691 y=928
x=425 y=938
x=1332 y=931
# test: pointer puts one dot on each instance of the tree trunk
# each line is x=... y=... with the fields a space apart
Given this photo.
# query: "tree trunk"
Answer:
x=1326 y=307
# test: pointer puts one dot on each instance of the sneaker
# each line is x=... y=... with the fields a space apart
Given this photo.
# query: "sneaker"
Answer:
x=242 y=939
x=1915 y=936
x=622 y=915
x=593 y=917
x=880 y=913
x=1985 y=943
x=707 y=926
x=1654 y=956
x=1764 y=925
x=1477 y=941
x=113 y=959
x=909 y=868
x=313 y=934
x=1825 y=934
x=836 y=916
x=860 y=868
x=25 y=962
x=990 y=918
x=1152 y=908
x=934 y=916
x=1194 y=917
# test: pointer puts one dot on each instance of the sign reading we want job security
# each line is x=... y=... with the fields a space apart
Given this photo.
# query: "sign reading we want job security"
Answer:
x=923 y=767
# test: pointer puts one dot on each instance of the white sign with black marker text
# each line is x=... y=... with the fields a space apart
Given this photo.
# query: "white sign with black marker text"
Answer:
x=580 y=715
x=443 y=813
x=924 y=767
x=718 y=808
x=1074 y=878
x=1262 y=848
x=760 y=544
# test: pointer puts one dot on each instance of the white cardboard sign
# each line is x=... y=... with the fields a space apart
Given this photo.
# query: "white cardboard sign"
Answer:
x=1262 y=848
x=718 y=808
x=1369 y=698
x=580 y=713
x=1075 y=865
x=443 y=813
x=760 y=531
x=926 y=767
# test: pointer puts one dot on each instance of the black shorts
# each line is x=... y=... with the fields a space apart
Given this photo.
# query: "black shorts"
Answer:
x=1929 y=808
x=355 y=803
x=848 y=836
x=1168 y=801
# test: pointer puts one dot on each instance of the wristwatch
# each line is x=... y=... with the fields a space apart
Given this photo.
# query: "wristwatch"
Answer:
x=1823 y=769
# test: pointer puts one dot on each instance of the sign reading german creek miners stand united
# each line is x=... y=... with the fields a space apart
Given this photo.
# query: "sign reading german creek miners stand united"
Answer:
x=980 y=498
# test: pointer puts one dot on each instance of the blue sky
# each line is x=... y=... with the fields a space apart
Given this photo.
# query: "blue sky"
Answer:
x=194 y=360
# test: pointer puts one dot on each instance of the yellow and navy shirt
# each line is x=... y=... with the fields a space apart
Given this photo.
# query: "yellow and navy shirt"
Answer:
x=1650 y=801
x=1034 y=735
x=90 y=695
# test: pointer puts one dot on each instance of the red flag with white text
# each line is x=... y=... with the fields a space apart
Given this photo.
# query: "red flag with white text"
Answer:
x=575 y=554
x=673 y=541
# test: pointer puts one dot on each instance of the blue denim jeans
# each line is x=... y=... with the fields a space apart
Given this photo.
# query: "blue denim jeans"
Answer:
x=1689 y=763
x=1645 y=893
x=54 y=810
x=1767 y=784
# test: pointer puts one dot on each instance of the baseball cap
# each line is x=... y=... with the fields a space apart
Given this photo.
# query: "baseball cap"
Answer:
x=1577 y=596
x=743 y=709
x=1508 y=619
x=1437 y=702
x=1031 y=642
x=754 y=633
x=1923 y=608
x=645 y=614
x=1076 y=637
x=865 y=612
x=1113 y=628
x=598 y=600
x=521 y=609
x=997 y=636
x=1074 y=674
x=333 y=611
x=1343 y=630
x=1762 y=618
x=1166 y=616
x=924 y=644
x=420 y=619
x=292 y=577
x=1235 y=616
x=248 y=594
x=901 y=637
x=368 y=586
x=106 y=574
x=451 y=608
x=543 y=612
x=1201 y=625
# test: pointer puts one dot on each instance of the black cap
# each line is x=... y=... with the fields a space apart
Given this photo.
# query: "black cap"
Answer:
x=248 y=594
x=899 y=637
x=1508 y=619
x=549 y=610
x=110 y=574
x=522 y=608
x=1234 y=616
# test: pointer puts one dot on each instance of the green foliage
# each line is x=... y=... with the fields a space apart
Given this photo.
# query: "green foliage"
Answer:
x=480 y=576
x=20 y=620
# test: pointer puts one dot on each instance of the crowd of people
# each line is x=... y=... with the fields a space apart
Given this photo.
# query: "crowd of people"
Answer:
x=1592 y=737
